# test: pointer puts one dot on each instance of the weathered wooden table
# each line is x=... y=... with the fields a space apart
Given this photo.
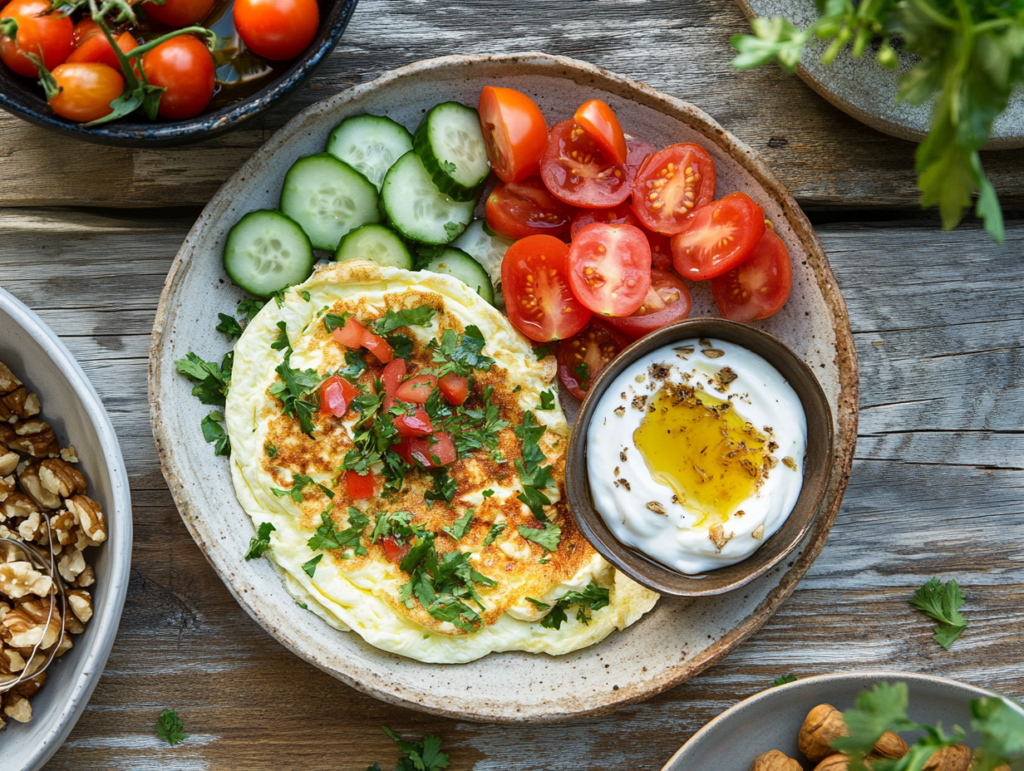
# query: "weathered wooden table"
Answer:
x=937 y=487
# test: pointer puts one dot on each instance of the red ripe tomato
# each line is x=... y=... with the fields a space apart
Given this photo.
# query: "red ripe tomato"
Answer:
x=86 y=28
x=277 y=29
x=178 y=13
x=184 y=67
x=378 y=346
x=40 y=28
x=97 y=49
x=758 y=287
x=416 y=390
x=428 y=451
x=667 y=301
x=454 y=388
x=638 y=151
x=717 y=237
x=336 y=394
x=515 y=132
x=581 y=358
x=535 y=281
x=416 y=424
x=351 y=335
x=610 y=268
x=358 y=487
x=597 y=119
x=392 y=377
x=394 y=550
x=86 y=90
x=521 y=209
x=577 y=172
x=672 y=183
x=617 y=215
x=661 y=250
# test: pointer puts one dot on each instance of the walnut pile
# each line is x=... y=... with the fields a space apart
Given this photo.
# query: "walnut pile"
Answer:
x=38 y=481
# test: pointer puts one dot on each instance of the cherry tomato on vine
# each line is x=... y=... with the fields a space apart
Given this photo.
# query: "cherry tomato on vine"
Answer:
x=717 y=237
x=277 y=29
x=178 y=13
x=96 y=49
x=184 y=66
x=610 y=268
x=671 y=184
x=667 y=301
x=39 y=28
x=526 y=208
x=515 y=132
x=597 y=119
x=577 y=172
x=759 y=286
x=84 y=29
x=86 y=90
x=581 y=358
x=535 y=281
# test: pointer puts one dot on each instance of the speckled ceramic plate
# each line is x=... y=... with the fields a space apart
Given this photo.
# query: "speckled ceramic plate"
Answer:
x=771 y=720
x=672 y=643
x=867 y=92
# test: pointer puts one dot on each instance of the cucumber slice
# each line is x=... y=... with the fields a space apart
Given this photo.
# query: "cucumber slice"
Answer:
x=266 y=251
x=328 y=198
x=486 y=248
x=417 y=209
x=455 y=262
x=370 y=144
x=452 y=147
x=377 y=244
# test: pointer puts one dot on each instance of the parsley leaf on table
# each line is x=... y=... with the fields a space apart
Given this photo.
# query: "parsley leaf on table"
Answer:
x=260 y=543
x=170 y=728
x=942 y=602
x=783 y=680
x=214 y=432
x=419 y=756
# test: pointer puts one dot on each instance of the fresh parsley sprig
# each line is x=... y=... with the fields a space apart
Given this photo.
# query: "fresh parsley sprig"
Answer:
x=419 y=756
x=299 y=483
x=170 y=729
x=460 y=354
x=420 y=316
x=329 y=538
x=212 y=379
x=297 y=388
x=214 y=433
x=534 y=478
x=942 y=601
x=590 y=600
x=259 y=544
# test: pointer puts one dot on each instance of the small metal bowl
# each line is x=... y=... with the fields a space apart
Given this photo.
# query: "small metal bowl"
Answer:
x=23 y=97
x=817 y=463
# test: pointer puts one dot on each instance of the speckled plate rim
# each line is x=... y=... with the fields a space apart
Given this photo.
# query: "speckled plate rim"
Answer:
x=846 y=425
x=677 y=761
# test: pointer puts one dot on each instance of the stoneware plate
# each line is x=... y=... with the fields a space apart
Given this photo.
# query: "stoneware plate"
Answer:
x=71 y=406
x=771 y=720
x=867 y=92
x=676 y=640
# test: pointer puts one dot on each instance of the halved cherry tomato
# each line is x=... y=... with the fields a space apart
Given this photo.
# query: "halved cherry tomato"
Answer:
x=673 y=183
x=637 y=153
x=394 y=550
x=86 y=90
x=378 y=346
x=758 y=287
x=535 y=281
x=597 y=119
x=577 y=172
x=178 y=13
x=351 y=335
x=581 y=358
x=41 y=29
x=277 y=29
x=428 y=451
x=515 y=132
x=610 y=268
x=358 y=487
x=416 y=424
x=97 y=50
x=718 y=237
x=661 y=250
x=183 y=66
x=454 y=388
x=617 y=215
x=416 y=390
x=667 y=301
x=336 y=393
x=521 y=209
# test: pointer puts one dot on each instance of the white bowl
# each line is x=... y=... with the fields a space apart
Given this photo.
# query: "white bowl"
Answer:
x=71 y=406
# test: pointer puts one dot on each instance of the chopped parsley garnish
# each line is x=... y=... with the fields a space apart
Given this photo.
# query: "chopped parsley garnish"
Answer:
x=305 y=296
x=448 y=166
x=420 y=316
x=453 y=230
x=334 y=321
x=214 y=432
x=444 y=487
x=260 y=543
x=295 y=386
x=942 y=602
x=279 y=297
x=496 y=530
x=394 y=524
x=548 y=537
x=328 y=537
x=271 y=449
x=534 y=477
x=310 y=567
x=547 y=401
x=374 y=434
x=401 y=346
x=299 y=483
x=170 y=728
x=471 y=429
x=229 y=326
x=443 y=584
x=783 y=680
x=487 y=493
x=213 y=379
x=355 y=365
x=542 y=351
x=419 y=756
x=281 y=341
x=460 y=355
x=248 y=309
x=590 y=600
x=460 y=526
x=582 y=372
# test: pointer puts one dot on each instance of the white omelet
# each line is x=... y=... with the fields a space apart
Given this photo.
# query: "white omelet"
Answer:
x=359 y=585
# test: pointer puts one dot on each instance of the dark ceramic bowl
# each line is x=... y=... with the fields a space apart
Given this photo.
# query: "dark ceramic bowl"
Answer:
x=817 y=464
x=23 y=97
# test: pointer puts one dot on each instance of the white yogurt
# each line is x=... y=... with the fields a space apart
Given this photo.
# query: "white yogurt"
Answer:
x=759 y=394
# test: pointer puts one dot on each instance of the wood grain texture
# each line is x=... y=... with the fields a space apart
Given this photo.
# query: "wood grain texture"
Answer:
x=937 y=489
x=681 y=48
